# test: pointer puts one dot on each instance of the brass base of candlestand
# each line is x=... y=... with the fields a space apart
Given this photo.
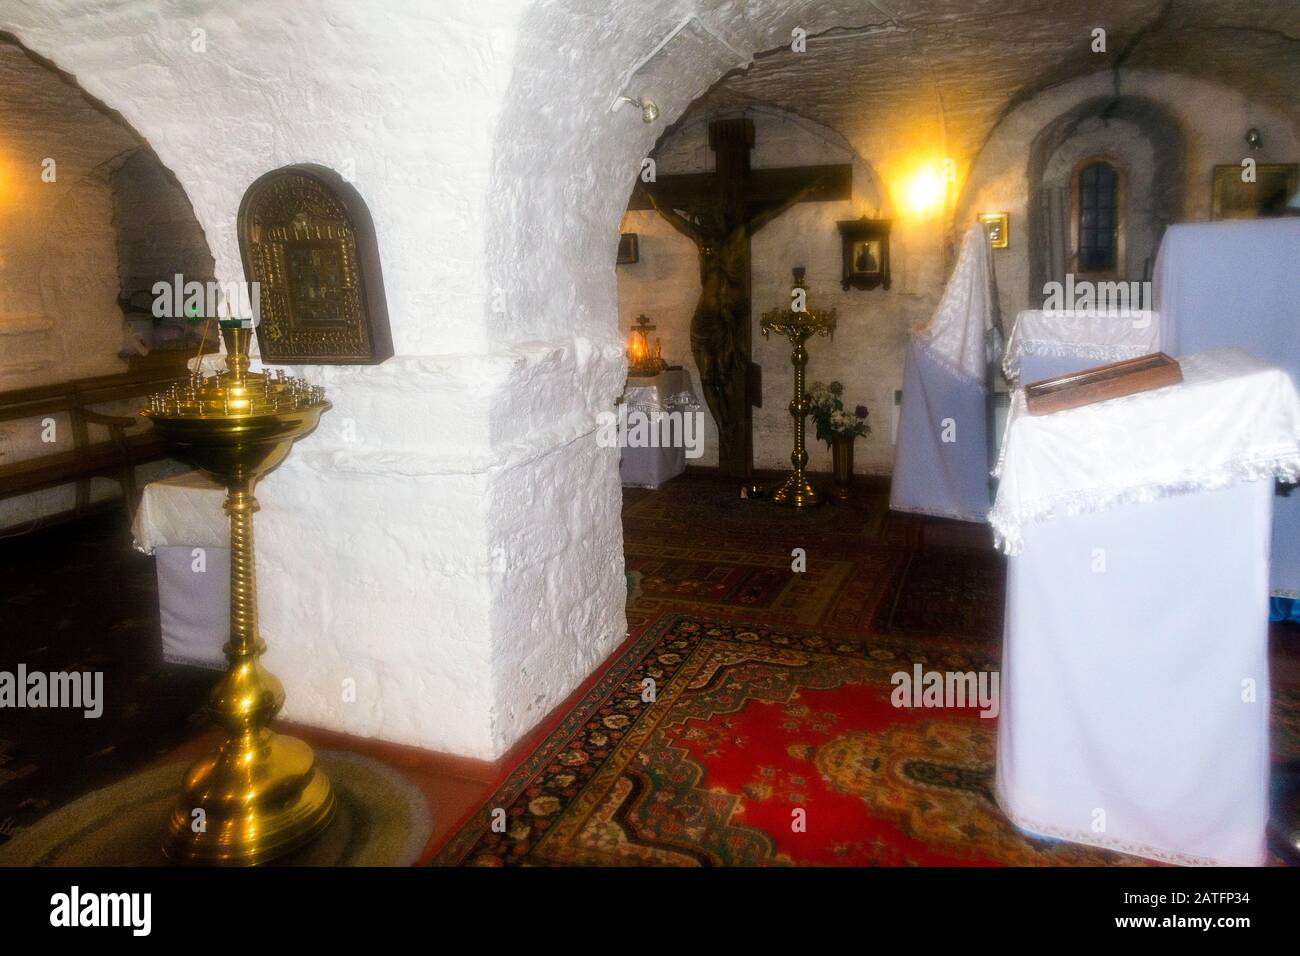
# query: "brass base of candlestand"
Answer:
x=260 y=799
x=796 y=492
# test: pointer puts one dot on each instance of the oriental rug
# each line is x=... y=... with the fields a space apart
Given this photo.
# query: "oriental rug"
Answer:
x=748 y=719
x=697 y=545
x=720 y=743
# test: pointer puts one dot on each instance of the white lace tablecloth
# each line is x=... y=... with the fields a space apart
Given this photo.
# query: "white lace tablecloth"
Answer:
x=668 y=391
x=1232 y=418
x=1099 y=337
x=181 y=511
x=651 y=395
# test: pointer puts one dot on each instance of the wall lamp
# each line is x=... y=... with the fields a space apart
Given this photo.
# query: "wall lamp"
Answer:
x=649 y=111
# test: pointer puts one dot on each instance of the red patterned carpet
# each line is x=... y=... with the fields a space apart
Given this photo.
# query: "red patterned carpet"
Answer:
x=760 y=747
x=748 y=721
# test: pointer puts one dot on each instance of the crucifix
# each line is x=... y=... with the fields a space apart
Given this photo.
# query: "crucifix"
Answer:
x=719 y=212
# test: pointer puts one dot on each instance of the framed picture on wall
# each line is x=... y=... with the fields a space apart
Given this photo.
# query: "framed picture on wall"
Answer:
x=996 y=225
x=865 y=253
x=628 y=250
x=1267 y=196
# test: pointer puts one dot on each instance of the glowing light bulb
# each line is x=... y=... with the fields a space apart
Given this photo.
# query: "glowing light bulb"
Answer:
x=924 y=191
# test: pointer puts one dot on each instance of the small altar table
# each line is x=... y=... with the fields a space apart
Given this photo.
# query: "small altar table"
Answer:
x=1045 y=344
x=1135 y=687
x=180 y=522
x=669 y=391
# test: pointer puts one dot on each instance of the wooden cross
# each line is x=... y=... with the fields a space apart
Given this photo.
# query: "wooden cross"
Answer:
x=719 y=212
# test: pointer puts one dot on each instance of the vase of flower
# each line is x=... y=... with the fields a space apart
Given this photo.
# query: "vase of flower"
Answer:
x=838 y=428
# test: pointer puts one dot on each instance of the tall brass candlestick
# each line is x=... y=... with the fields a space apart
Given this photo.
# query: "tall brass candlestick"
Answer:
x=798 y=323
x=260 y=794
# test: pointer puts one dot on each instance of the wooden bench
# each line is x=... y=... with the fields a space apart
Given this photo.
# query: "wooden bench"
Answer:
x=117 y=457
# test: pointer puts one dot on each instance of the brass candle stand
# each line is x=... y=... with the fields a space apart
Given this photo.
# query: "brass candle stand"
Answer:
x=641 y=359
x=799 y=326
x=259 y=795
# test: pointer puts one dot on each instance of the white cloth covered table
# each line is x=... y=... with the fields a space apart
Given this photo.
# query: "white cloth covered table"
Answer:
x=183 y=510
x=669 y=391
x=1045 y=344
x=180 y=522
x=941 y=464
x=1135 y=689
x=1237 y=283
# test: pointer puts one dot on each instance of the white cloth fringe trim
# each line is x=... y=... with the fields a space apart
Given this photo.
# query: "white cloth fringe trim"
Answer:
x=979 y=517
x=1008 y=529
x=1101 y=354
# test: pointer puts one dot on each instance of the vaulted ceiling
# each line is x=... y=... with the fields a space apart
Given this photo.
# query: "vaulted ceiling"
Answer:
x=948 y=70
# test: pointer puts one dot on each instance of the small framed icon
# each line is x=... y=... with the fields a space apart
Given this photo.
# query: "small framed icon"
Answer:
x=996 y=225
x=628 y=249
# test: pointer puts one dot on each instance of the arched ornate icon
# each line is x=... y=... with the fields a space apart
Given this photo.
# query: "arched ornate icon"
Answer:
x=307 y=239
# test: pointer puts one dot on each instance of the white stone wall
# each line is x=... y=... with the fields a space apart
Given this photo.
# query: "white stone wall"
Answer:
x=372 y=553
x=396 y=548
x=58 y=262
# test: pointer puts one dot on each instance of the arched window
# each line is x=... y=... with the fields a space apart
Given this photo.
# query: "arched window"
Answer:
x=1097 y=200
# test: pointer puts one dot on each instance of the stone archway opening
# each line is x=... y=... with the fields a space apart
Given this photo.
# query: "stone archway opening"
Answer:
x=1137 y=136
x=90 y=222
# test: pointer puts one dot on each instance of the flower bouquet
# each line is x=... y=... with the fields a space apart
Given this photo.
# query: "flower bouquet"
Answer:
x=838 y=428
x=831 y=418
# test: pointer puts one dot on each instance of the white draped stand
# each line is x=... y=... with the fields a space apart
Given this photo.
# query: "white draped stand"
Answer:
x=941 y=465
x=1135 y=688
x=177 y=516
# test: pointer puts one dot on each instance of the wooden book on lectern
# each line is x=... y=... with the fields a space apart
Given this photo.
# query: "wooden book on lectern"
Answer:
x=1105 y=381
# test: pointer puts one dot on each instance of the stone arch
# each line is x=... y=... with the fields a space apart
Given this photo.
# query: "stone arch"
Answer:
x=90 y=216
x=599 y=147
x=563 y=163
x=804 y=235
x=1000 y=178
x=1159 y=127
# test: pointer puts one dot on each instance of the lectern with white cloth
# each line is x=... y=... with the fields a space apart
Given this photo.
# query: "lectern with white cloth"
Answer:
x=180 y=522
x=941 y=465
x=1135 y=688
